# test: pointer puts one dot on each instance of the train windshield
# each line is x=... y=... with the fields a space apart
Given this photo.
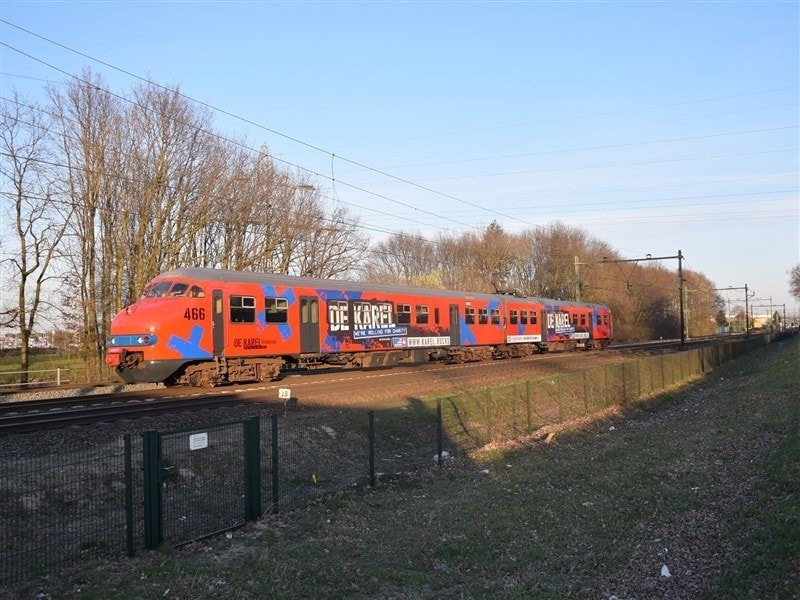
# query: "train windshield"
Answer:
x=172 y=289
x=179 y=289
x=157 y=290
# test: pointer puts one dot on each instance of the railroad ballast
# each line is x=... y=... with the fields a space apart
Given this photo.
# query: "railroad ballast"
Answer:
x=207 y=327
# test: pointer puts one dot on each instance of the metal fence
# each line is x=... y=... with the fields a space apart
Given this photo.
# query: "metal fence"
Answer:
x=178 y=486
x=61 y=509
x=34 y=377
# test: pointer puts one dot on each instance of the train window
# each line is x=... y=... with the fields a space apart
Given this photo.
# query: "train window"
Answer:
x=512 y=317
x=422 y=314
x=483 y=316
x=196 y=292
x=179 y=289
x=157 y=290
x=314 y=311
x=243 y=309
x=574 y=318
x=523 y=317
x=277 y=310
x=436 y=316
x=469 y=316
x=533 y=317
x=495 y=316
x=404 y=313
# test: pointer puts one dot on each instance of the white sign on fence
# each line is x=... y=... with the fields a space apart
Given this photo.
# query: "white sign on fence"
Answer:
x=198 y=441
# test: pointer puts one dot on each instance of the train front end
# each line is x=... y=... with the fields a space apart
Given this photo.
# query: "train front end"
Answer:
x=157 y=336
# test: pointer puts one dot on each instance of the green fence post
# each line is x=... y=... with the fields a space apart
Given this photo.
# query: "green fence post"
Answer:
x=585 y=394
x=275 y=477
x=489 y=415
x=371 y=439
x=129 y=495
x=153 y=514
x=559 y=398
x=528 y=403
x=252 y=468
x=439 y=433
x=638 y=379
x=624 y=384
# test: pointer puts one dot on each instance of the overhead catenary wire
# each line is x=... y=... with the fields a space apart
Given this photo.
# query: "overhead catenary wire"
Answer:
x=539 y=207
x=292 y=138
x=272 y=156
x=289 y=137
x=249 y=122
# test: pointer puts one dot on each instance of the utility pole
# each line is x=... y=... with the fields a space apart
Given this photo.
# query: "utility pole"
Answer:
x=686 y=292
x=680 y=282
x=746 y=300
x=577 y=279
x=746 y=322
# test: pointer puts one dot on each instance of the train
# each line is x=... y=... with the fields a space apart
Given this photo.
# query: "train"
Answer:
x=207 y=327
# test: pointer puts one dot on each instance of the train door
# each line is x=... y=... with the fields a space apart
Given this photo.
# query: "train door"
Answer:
x=218 y=322
x=455 y=326
x=309 y=324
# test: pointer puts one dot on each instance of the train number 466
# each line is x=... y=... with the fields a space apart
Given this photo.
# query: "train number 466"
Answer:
x=195 y=314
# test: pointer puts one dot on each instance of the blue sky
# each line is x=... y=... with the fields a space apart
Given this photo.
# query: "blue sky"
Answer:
x=654 y=126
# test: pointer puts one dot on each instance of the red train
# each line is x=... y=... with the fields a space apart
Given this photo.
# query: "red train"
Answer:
x=207 y=327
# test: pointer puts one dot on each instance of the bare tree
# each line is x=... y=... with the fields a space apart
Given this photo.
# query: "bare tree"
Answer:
x=86 y=118
x=39 y=222
x=333 y=248
x=496 y=256
x=794 y=281
x=401 y=258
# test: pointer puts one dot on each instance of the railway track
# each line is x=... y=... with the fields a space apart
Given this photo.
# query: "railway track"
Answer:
x=23 y=417
x=15 y=395
x=40 y=414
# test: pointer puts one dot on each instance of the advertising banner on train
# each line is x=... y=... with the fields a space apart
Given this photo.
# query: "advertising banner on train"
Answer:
x=363 y=319
x=559 y=327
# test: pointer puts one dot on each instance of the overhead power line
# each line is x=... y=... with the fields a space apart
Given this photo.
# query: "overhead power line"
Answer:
x=254 y=124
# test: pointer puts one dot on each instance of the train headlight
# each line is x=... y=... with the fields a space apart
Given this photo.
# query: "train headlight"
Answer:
x=143 y=340
x=112 y=341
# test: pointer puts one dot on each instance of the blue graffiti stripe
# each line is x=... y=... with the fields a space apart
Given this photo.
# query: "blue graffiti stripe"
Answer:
x=189 y=348
x=270 y=291
x=328 y=295
x=285 y=330
x=520 y=329
x=467 y=337
x=494 y=305
x=331 y=344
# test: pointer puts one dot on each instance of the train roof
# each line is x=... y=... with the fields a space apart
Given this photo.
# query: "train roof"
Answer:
x=225 y=275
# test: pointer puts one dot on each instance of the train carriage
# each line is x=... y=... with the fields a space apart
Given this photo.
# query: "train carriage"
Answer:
x=207 y=327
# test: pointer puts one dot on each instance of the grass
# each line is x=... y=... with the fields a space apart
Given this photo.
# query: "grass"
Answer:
x=73 y=368
x=704 y=481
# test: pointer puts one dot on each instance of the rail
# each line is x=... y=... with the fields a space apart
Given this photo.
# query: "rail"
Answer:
x=58 y=380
